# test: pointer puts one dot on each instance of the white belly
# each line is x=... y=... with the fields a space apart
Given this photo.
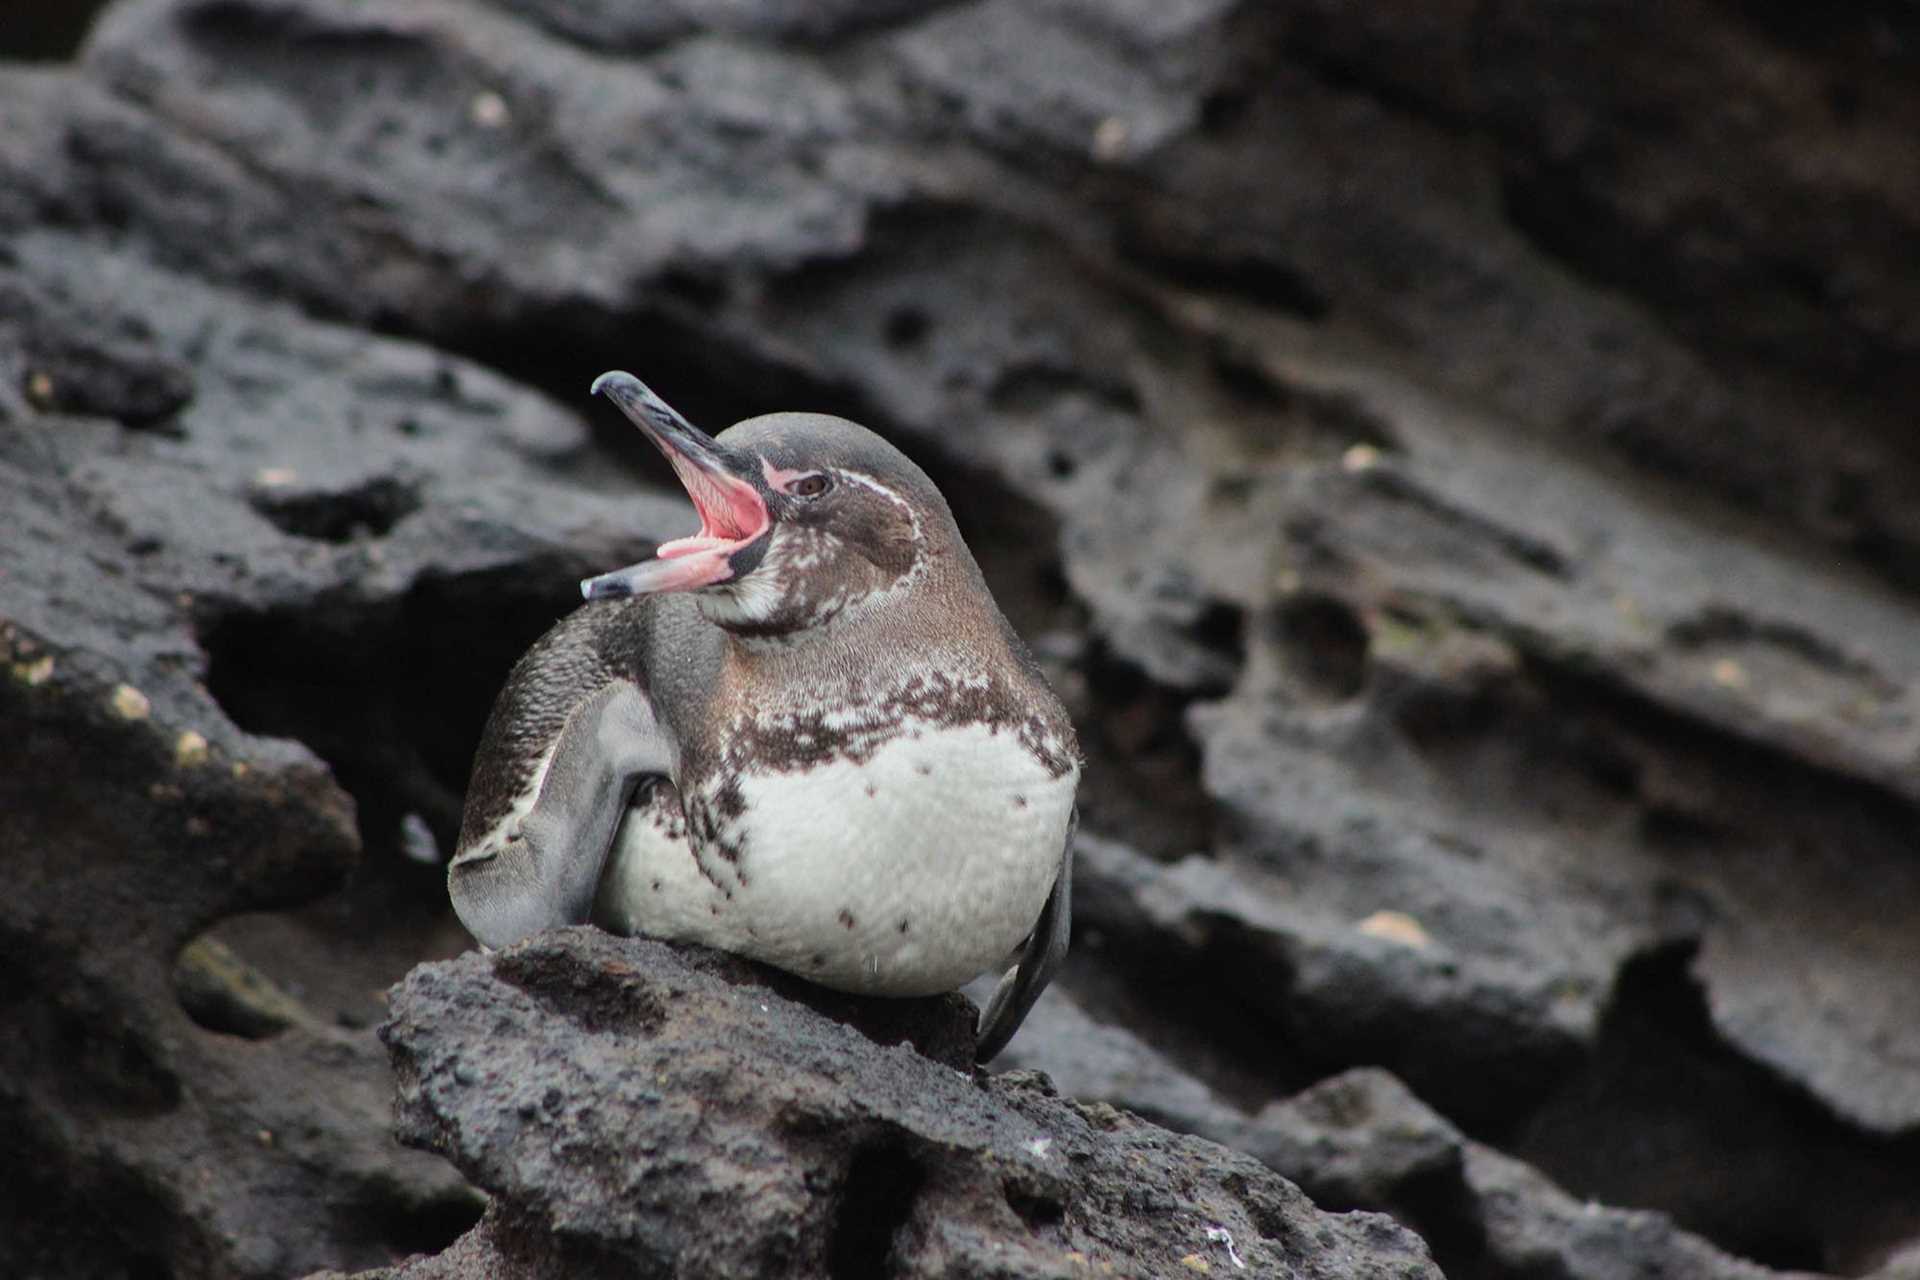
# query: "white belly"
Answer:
x=911 y=873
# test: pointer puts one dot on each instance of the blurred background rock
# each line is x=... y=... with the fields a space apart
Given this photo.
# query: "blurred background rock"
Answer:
x=1457 y=461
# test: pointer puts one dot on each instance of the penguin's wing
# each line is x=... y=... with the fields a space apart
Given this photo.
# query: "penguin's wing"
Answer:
x=1046 y=948
x=570 y=736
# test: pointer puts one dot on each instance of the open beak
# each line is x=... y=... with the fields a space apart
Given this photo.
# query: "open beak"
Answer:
x=733 y=515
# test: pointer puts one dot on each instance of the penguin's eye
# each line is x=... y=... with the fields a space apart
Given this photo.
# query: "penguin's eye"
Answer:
x=811 y=486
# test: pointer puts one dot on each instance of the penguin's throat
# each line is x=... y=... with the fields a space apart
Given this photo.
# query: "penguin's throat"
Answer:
x=732 y=513
x=804 y=585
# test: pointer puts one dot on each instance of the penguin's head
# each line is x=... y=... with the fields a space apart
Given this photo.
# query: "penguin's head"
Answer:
x=805 y=519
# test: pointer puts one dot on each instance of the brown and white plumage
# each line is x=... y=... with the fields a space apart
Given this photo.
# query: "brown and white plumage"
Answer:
x=805 y=734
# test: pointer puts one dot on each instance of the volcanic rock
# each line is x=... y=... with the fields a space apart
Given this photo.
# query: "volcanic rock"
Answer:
x=612 y=1094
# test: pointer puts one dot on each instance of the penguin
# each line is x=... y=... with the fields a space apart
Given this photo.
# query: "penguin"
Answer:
x=804 y=734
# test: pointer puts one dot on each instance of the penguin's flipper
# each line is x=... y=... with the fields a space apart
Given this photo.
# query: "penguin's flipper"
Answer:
x=570 y=736
x=1046 y=948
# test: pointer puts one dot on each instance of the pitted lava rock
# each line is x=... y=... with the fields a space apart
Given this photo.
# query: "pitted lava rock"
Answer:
x=1455 y=463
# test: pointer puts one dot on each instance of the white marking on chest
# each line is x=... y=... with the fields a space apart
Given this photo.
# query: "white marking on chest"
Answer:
x=910 y=873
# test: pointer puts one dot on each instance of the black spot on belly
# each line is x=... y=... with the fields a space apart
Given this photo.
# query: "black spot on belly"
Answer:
x=904 y=926
x=923 y=769
x=1019 y=802
x=728 y=797
x=846 y=918
x=656 y=886
x=817 y=960
x=872 y=790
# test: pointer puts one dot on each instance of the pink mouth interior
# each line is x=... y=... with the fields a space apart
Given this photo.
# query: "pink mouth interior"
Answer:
x=731 y=512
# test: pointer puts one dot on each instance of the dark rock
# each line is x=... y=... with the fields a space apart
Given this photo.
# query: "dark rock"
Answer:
x=153 y=589
x=1667 y=738
x=1456 y=461
x=1648 y=1104
x=1361 y=1138
x=60 y=363
x=1200 y=133
x=609 y=1093
x=222 y=992
x=1097 y=1061
x=614 y=27
x=1903 y=1264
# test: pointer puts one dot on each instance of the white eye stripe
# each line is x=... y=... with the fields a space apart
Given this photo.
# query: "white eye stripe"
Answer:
x=866 y=481
x=862 y=478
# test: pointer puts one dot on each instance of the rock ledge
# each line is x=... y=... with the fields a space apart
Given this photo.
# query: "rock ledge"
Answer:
x=640 y=1109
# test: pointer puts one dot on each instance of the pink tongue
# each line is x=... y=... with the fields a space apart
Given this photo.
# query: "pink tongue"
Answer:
x=689 y=546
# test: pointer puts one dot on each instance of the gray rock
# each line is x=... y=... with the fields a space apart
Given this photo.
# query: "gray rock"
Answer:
x=611 y=1093
x=1096 y=1061
x=1902 y=1264
x=228 y=551
x=1361 y=1138
x=1647 y=1105
x=1457 y=463
x=728 y=151
x=1476 y=681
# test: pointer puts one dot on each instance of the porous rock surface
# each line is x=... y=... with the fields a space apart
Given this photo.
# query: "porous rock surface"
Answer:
x=1363 y=1138
x=1456 y=461
x=637 y=1110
